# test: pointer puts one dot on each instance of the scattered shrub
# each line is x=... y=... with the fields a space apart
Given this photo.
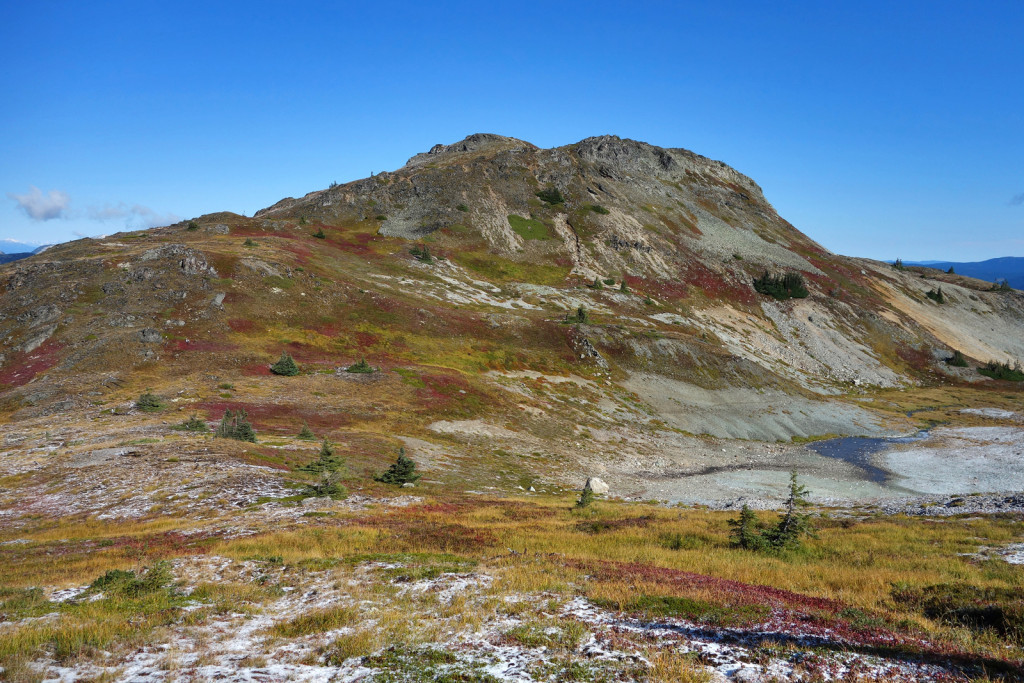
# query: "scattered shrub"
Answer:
x=319 y=234
x=781 y=287
x=249 y=242
x=149 y=403
x=402 y=471
x=957 y=360
x=361 y=367
x=551 y=195
x=235 y=425
x=997 y=370
x=462 y=207
x=580 y=317
x=130 y=585
x=192 y=424
x=975 y=607
x=192 y=226
x=421 y=254
x=285 y=365
x=936 y=295
x=1001 y=285
x=597 y=208
x=597 y=284
x=609 y=281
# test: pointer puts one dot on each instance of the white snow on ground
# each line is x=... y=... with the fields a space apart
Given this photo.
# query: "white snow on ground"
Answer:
x=240 y=646
x=990 y=412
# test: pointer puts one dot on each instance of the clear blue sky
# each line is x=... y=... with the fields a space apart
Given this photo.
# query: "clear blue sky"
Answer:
x=879 y=129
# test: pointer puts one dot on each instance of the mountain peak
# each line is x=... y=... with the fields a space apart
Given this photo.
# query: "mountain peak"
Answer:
x=470 y=143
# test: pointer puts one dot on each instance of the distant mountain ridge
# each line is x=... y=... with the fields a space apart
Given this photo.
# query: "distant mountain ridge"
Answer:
x=7 y=258
x=1009 y=268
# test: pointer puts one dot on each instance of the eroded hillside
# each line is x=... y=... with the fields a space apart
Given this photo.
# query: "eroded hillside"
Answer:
x=524 y=318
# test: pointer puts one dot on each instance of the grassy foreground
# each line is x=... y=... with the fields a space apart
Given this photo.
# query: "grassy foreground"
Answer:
x=872 y=584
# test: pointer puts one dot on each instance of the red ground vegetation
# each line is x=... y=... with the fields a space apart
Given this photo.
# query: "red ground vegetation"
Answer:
x=22 y=367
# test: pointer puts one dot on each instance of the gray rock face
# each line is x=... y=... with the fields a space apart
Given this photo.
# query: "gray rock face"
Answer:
x=260 y=267
x=190 y=261
x=150 y=336
x=596 y=485
x=37 y=339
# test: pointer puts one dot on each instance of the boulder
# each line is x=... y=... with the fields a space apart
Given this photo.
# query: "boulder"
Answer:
x=596 y=485
x=150 y=336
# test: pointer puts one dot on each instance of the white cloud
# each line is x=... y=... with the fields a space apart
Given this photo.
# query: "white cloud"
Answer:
x=42 y=207
x=142 y=216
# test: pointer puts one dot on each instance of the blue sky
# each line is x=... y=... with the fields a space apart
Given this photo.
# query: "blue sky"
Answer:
x=879 y=129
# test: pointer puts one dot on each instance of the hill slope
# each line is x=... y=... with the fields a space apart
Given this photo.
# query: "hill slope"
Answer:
x=463 y=277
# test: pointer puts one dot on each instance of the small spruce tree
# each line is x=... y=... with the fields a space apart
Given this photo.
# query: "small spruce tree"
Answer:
x=193 y=424
x=586 y=498
x=401 y=472
x=328 y=485
x=328 y=460
x=149 y=403
x=319 y=234
x=951 y=271
x=793 y=525
x=285 y=366
x=745 y=532
x=361 y=367
x=306 y=434
x=235 y=425
x=623 y=287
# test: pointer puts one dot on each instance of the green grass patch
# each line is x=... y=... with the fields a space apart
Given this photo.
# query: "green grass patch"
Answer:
x=502 y=269
x=278 y=281
x=692 y=609
x=529 y=228
x=317 y=621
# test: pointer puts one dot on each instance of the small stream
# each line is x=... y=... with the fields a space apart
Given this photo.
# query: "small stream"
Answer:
x=857 y=450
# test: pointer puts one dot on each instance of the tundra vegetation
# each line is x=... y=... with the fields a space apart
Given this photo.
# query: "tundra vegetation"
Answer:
x=136 y=545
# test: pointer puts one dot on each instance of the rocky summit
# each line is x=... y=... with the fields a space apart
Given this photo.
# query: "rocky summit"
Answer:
x=404 y=382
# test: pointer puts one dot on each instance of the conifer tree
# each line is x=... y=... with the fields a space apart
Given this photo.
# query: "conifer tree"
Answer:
x=745 y=532
x=235 y=425
x=306 y=434
x=794 y=525
x=401 y=472
x=586 y=497
x=285 y=365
